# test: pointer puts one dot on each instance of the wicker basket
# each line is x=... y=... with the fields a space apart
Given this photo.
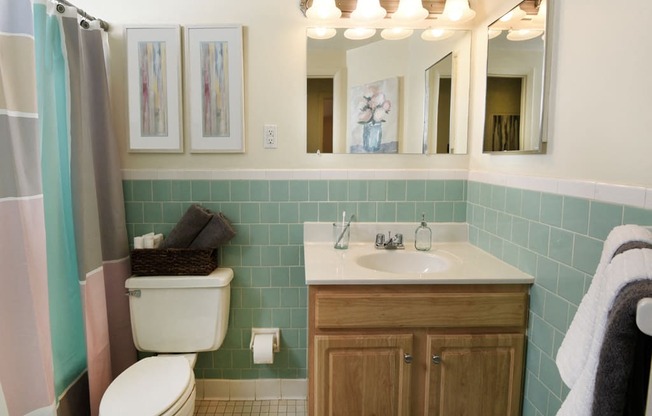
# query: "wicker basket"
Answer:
x=173 y=262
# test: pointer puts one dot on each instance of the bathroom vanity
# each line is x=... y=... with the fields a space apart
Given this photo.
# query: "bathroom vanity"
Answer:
x=448 y=340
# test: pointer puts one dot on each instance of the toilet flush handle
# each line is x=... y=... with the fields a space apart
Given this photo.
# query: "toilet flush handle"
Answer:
x=135 y=292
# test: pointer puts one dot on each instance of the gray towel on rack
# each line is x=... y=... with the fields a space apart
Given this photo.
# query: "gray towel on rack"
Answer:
x=217 y=232
x=624 y=365
x=189 y=226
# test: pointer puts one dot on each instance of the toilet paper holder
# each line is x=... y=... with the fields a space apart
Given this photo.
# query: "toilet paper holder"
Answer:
x=274 y=331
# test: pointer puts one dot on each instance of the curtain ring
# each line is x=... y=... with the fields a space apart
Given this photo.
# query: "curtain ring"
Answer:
x=84 y=24
x=60 y=8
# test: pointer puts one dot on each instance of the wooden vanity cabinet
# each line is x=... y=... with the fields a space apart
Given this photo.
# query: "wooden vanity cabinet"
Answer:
x=412 y=350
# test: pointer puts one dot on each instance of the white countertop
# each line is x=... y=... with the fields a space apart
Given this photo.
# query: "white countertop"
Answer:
x=324 y=265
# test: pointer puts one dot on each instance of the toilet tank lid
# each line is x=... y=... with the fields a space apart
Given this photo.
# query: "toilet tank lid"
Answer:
x=219 y=277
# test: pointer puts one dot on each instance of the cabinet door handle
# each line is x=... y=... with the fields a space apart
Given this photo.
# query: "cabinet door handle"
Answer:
x=436 y=359
x=407 y=358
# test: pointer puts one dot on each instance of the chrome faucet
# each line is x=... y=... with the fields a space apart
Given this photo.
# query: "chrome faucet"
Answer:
x=391 y=243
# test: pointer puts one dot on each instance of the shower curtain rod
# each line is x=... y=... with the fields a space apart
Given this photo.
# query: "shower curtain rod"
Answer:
x=103 y=24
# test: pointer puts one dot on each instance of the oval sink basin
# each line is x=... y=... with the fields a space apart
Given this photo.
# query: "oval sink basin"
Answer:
x=395 y=261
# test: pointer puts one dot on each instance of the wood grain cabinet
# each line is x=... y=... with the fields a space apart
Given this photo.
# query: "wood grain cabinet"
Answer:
x=409 y=350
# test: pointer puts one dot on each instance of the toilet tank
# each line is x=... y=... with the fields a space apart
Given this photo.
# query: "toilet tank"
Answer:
x=180 y=313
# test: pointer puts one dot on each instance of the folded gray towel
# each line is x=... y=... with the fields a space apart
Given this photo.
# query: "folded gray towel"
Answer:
x=189 y=226
x=624 y=366
x=217 y=232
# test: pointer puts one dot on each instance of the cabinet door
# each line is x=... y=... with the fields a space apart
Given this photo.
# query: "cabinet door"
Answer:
x=474 y=375
x=362 y=375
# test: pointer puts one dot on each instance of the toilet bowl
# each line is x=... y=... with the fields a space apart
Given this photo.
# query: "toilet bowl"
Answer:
x=176 y=317
x=162 y=385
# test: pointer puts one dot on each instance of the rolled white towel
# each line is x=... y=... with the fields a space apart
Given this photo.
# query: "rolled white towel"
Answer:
x=572 y=355
x=148 y=241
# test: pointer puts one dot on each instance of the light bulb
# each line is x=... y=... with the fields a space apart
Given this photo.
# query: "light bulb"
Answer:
x=321 y=32
x=323 y=10
x=396 y=33
x=359 y=33
x=494 y=33
x=368 y=11
x=523 y=34
x=410 y=11
x=515 y=14
x=436 y=33
x=458 y=11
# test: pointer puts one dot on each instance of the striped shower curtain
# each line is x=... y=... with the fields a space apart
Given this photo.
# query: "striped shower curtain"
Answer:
x=64 y=252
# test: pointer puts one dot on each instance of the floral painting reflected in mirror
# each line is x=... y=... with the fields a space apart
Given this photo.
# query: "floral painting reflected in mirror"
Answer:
x=373 y=126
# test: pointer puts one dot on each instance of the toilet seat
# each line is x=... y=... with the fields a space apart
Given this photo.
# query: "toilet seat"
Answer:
x=159 y=385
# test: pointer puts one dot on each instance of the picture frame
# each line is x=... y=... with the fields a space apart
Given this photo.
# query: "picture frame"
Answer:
x=373 y=117
x=215 y=88
x=154 y=88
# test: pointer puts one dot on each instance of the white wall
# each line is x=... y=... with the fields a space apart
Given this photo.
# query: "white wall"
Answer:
x=602 y=109
x=602 y=98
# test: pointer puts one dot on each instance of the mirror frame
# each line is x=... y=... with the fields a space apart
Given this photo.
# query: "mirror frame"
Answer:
x=544 y=114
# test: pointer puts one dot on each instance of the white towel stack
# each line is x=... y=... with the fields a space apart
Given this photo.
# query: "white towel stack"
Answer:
x=578 y=355
x=149 y=240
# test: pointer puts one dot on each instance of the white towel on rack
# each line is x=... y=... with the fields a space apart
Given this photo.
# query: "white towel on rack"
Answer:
x=627 y=267
x=572 y=355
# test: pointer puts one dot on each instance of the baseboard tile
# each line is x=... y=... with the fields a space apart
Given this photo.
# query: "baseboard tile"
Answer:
x=263 y=389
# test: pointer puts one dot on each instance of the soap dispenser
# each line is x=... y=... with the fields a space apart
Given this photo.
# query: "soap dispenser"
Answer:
x=423 y=235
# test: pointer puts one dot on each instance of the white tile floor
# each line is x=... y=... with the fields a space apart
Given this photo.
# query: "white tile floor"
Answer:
x=251 y=408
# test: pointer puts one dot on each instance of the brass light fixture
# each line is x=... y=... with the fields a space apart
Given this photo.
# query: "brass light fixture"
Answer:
x=433 y=7
x=397 y=17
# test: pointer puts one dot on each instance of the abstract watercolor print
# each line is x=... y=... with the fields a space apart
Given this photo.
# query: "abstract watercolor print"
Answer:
x=214 y=58
x=153 y=88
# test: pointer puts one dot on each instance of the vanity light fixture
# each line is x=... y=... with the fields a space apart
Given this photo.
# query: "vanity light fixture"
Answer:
x=368 y=11
x=458 y=11
x=321 y=32
x=410 y=11
x=323 y=11
x=436 y=33
x=365 y=14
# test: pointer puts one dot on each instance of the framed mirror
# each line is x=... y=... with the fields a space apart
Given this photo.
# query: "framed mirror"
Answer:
x=518 y=62
x=378 y=96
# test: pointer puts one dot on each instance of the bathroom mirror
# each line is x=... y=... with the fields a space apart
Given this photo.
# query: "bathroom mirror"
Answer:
x=517 y=79
x=373 y=95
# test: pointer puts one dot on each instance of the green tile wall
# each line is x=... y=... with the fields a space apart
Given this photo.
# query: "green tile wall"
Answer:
x=267 y=254
x=558 y=240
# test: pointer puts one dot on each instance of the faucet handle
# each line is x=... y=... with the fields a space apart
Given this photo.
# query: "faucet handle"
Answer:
x=398 y=237
x=380 y=240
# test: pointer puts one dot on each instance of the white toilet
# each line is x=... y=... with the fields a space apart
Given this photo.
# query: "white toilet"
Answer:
x=175 y=316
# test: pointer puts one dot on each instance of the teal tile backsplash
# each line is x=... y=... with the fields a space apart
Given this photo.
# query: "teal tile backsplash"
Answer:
x=557 y=239
x=267 y=253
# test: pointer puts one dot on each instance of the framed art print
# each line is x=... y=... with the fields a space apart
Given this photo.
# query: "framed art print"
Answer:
x=154 y=88
x=215 y=88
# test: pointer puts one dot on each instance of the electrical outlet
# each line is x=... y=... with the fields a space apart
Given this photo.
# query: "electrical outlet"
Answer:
x=270 y=139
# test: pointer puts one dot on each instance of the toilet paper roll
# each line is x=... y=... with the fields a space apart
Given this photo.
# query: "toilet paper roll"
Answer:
x=264 y=349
